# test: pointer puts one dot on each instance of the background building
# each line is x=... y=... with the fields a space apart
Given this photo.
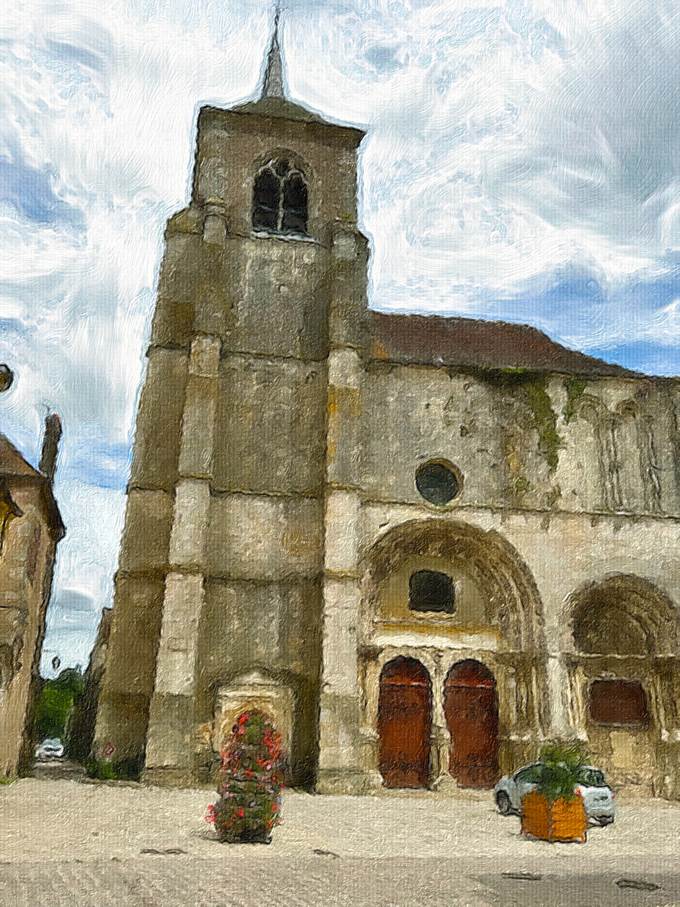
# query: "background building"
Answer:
x=423 y=545
x=80 y=731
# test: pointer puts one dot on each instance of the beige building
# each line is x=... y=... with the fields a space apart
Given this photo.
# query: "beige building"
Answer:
x=423 y=545
x=30 y=528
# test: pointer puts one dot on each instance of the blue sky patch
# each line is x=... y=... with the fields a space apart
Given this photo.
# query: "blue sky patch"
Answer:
x=30 y=191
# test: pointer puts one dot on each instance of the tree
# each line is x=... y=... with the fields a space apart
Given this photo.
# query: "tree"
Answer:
x=55 y=702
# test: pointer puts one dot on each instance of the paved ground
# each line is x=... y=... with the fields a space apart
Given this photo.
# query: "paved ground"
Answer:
x=92 y=845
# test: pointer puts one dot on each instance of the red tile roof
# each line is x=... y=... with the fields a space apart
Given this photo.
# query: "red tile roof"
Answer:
x=14 y=469
x=12 y=463
x=471 y=343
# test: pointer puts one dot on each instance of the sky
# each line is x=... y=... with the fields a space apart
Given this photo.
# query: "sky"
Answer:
x=521 y=163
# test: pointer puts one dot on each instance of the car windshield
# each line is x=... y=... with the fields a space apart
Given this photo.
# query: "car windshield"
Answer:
x=529 y=775
x=592 y=777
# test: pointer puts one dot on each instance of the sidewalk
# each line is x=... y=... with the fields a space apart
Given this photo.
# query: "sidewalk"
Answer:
x=452 y=851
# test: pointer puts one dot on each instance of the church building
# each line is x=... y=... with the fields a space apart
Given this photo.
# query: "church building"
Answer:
x=422 y=545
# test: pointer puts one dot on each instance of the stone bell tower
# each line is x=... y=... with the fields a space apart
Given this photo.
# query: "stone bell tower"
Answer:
x=219 y=590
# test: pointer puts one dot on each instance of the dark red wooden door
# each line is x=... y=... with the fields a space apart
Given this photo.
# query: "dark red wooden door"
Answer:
x=471 y=709
x=404 y=722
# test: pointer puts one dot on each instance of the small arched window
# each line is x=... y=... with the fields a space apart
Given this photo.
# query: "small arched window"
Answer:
x=280 y=199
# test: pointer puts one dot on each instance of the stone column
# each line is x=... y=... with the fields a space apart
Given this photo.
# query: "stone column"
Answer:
x=440 y=741
x=342 y=748
x=579 y=706
x=558 y=688
x=169 y=752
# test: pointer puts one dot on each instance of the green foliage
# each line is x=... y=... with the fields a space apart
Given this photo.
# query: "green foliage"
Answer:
x=119 y=770
x=6 y=779
x=575 y=388
x=52 y=710
x=250 y=787
x=55 y=702
x=70 y=680
x=561 y=766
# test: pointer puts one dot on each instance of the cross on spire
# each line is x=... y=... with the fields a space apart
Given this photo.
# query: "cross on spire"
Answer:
x=272 y=87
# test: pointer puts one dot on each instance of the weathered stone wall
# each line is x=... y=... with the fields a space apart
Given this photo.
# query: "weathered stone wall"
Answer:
x=579 y=477
x=527 y=440
x=80 y=731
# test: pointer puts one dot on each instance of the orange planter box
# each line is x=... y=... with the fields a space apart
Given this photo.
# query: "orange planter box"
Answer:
x=562 y=820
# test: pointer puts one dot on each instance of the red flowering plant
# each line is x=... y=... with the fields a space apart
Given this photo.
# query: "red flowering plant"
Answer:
x=251 y=778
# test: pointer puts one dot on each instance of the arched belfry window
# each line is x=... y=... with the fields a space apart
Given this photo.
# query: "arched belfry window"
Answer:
x=280 y=198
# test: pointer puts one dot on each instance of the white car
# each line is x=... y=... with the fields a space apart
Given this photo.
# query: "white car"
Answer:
x=52 y=748
x=598 y=797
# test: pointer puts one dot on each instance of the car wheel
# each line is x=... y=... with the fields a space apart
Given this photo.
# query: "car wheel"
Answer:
x=503 y=803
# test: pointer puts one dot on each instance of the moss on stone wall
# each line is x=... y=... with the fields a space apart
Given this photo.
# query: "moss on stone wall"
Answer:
x=545 y=419
x=575 y=388
x=121 y=770
x=497 y=377
x=533 y=386
x=520 y=486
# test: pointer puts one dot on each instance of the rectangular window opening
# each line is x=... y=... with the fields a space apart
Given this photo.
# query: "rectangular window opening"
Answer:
x=430 y=590
x=618 y=703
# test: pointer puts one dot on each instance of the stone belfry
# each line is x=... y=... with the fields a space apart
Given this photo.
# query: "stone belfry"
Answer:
x=220 y=586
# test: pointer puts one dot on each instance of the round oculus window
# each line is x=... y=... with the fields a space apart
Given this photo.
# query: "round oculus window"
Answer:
x=437 y=483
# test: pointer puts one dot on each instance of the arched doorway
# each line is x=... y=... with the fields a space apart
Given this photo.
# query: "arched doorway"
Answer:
x=625 y=644
x=471 y=710
x=404 y=722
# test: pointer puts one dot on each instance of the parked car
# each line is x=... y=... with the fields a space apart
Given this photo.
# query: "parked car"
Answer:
x=598 y=797
x=51 y=748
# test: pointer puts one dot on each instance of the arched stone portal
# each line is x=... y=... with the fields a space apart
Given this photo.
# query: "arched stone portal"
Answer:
x=512 y=599
x=404 y=722
x=496 y=620
x=623 y=639
x=471 y=710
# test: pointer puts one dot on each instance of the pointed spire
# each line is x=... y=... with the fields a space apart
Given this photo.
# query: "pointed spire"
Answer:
x=272 y=86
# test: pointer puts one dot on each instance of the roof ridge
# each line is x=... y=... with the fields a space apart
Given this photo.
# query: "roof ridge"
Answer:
x=13 y=462
x=459 y=340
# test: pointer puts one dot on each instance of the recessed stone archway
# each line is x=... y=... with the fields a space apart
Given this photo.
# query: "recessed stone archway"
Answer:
x=622 y=636
x=258 y=690
x=512 y=598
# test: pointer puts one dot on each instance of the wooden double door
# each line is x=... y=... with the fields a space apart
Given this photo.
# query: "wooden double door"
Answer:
x=405 y=724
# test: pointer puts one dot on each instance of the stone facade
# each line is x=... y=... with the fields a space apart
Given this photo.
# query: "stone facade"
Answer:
x=30 y=528
x=274 y=522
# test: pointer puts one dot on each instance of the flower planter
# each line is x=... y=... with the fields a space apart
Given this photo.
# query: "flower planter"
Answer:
x=559 y=820
x=249 y=802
